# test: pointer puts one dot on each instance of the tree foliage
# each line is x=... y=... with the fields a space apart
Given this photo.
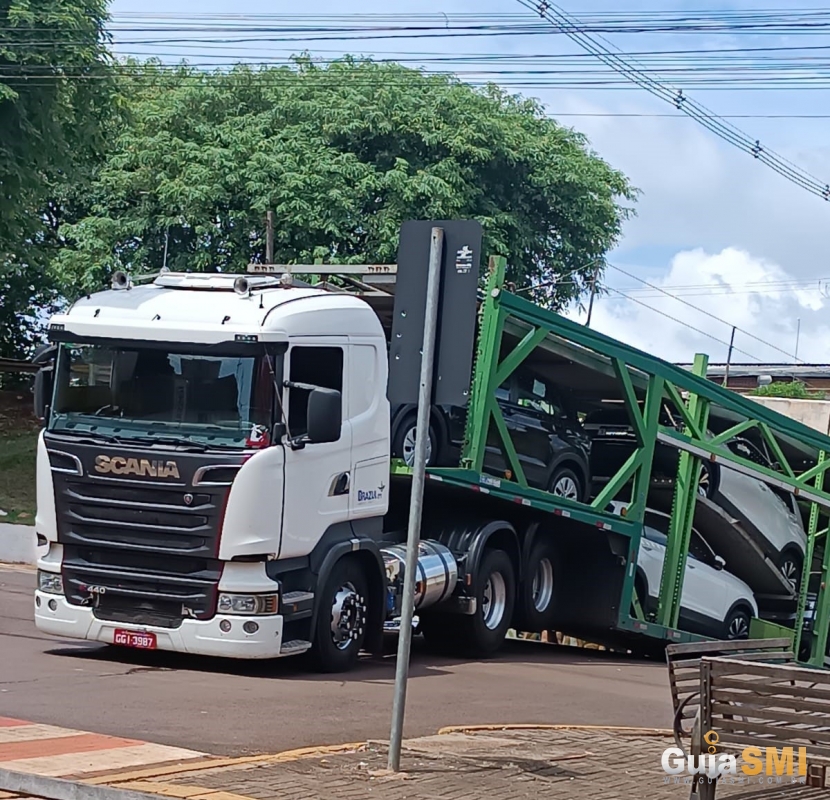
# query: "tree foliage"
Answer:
x=55 y=98
x=342 y=154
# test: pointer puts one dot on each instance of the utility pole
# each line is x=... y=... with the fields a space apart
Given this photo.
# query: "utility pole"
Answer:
x=728 y=359
x=593 y=293
x=416 y=499
x=269 y=237
x=797 y=337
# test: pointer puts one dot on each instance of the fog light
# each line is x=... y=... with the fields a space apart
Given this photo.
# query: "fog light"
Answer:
x=50 y=582
x=53 y=606
x=37 y=602
x=250 y=626
x=224 y=626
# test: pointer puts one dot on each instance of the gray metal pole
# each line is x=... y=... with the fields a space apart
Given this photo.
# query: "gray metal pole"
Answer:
x=413 y=535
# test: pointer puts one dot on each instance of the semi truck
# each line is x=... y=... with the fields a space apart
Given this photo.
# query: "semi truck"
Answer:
x=216 y=475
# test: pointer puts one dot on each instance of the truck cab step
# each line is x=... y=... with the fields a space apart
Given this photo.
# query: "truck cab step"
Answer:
x=294 y=647
x=297 y=605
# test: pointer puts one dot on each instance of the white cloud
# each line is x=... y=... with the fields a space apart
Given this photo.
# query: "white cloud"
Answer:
x=732 y=286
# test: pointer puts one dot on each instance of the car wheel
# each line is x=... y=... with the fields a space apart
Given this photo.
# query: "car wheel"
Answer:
x=791 y=565
x=483 y=632
x=707 y=482
x=537 y=593
x=406 y=438
x=566 y=483
x=737 y=625
x=341 y=618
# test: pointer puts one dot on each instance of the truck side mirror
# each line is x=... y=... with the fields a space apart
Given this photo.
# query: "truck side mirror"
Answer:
x=324 y=416
x=43 y=393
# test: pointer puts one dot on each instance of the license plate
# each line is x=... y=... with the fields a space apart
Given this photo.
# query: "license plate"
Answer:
x=145 y=641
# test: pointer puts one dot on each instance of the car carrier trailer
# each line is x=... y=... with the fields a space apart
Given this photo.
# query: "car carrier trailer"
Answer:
x=215 y=477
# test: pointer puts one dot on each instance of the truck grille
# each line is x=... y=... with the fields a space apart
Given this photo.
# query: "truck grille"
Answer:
x=96 y=513
x=124 y=586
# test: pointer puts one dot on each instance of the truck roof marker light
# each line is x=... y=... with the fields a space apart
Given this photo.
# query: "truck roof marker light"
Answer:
x=242 y=286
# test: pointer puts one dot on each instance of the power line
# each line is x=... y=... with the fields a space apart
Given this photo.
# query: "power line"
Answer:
x=682 y=322
x=726 y=131
x=700 y=310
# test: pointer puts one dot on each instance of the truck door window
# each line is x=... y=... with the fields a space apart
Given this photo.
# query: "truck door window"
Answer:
x=318 y=366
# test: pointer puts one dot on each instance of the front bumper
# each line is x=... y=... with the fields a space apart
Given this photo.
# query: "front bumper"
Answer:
x=198 y=637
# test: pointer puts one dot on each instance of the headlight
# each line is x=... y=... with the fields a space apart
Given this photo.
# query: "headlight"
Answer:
x=247 y=603
x=50 y=582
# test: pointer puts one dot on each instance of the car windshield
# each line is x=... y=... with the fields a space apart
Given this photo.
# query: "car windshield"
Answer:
x=163 y=393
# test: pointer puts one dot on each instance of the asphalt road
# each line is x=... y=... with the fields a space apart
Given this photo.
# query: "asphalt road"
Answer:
x=235 y=708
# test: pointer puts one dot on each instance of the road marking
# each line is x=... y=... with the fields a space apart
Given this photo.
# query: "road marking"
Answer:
x=59 y=752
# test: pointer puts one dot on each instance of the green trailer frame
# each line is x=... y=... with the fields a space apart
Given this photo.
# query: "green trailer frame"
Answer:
x=691 y=394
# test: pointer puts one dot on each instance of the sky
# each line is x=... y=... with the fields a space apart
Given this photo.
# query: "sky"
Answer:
x=737 y=244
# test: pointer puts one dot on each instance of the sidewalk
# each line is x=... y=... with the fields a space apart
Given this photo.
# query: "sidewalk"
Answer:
x=499 y=764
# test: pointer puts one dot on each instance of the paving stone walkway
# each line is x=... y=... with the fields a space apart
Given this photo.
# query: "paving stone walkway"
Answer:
x=571 y=764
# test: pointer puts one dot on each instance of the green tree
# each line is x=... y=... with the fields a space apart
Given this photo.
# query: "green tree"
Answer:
x=55 y=98
x=342 y=154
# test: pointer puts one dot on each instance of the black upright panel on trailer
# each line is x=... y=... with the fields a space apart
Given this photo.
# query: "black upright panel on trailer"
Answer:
x=456 y=317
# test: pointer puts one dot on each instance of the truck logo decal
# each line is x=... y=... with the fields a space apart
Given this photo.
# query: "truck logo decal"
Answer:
x=364 y=496
x=117 y=465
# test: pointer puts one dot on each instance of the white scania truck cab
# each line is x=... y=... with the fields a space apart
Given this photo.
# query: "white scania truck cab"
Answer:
x=172 y=519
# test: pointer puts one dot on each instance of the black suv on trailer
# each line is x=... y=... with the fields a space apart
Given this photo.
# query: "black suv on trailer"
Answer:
x=553 y=449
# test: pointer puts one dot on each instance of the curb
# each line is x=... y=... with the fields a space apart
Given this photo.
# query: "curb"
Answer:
x=27 y=783
x=541 y=727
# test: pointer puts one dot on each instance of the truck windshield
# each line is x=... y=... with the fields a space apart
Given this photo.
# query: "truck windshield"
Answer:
x=164 y=393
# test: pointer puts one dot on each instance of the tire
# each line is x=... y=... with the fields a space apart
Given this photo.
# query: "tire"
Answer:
x=737 y=624
x=404 y=444
x=642 y=595
x=336 y=647
x=707 y=484
x=483 y=632
x=791 y=564
x=536 y=597
x=566 y=483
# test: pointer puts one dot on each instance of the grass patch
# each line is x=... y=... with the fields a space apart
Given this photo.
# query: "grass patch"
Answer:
x=17 y=476
x=18 y=447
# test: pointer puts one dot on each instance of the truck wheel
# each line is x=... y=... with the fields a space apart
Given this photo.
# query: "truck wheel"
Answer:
x=341 y=618
x=537 y=592
x=483 y=632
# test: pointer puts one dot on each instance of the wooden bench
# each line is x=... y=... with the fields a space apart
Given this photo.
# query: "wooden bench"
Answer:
x=748 y=703
x=684 y=671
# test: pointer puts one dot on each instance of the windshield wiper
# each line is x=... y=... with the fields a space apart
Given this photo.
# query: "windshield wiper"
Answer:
x=175 y=441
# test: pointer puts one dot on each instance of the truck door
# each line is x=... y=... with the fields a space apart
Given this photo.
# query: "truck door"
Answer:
x=317 y=476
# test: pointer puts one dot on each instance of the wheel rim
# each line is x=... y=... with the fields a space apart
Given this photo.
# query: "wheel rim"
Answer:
x=738 y=628
x=494 y=600
x=566 y=487
x=790 y=571
x=703 y=483
x=409 y=441
x=348 y=616
x=542 y=588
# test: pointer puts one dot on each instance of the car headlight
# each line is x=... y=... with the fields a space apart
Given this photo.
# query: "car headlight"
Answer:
x=50 y=582
x=247 y=603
